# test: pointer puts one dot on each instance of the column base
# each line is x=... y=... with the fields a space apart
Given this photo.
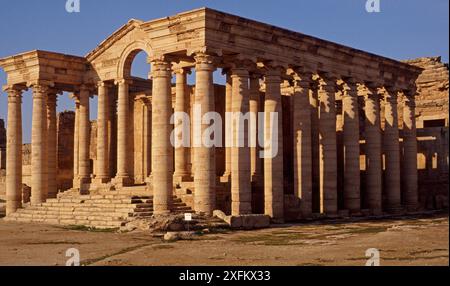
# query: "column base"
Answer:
x=225 y=178
x=412 y=208
x=79 y=182
x=182 y=177
x=101 y=180
x=161 y=213
x=122 y=181
x=397 y=210
x=12 y=206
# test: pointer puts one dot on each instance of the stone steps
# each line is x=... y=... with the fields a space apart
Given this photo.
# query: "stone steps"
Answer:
x=95 y=210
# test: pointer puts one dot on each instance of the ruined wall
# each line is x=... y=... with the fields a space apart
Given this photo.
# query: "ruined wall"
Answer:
x=432 y=93
x=65 y=128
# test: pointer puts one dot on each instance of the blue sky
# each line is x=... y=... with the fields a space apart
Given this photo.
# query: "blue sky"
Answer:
x=403 y=29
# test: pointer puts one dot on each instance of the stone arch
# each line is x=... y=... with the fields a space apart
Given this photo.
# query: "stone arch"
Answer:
x=127 y=56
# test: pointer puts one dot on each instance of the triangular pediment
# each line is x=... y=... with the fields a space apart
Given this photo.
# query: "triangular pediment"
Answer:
x=113 y=38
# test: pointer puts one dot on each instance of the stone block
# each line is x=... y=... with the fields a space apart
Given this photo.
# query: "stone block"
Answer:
x=250 y=221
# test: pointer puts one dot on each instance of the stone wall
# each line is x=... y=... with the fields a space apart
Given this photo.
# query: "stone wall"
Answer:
x=65 y=130
x=432 y=93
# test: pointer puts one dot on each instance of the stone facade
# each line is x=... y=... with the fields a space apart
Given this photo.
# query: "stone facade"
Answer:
x=432 y=92
x=332 y=105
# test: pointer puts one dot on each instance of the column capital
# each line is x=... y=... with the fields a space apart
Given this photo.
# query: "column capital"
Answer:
x=51 y=99
x=182 y=70
x=120 y=81
x=302 y=80
x=161 y=67
x=327 y=81
x=206 y=62
x=239 y=72
x=40 y=84
x=273 y=75
x=102 y=83
x=14 y=88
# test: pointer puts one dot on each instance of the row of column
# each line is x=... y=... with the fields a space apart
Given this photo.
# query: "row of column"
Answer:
x=378 y=146
x=43 y=146
x=242 y=163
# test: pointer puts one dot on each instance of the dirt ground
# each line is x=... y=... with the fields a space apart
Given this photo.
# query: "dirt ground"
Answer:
x=406 y=241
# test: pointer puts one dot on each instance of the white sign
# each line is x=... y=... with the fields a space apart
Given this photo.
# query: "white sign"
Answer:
x=187 y=216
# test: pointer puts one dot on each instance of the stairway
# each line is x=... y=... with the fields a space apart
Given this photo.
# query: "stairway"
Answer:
x=94 y=210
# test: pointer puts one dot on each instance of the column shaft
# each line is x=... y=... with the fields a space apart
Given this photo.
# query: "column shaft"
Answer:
x=14 y=152
x=351 y=148
x=373 y=150
x=255 y=159
x=409 y=172
x=391 y=152
x=327 y=147
x=102 y=172
x=302 y=144
x=76 y=143
x=273 y=149
x=181 y=106
x=39 y=146
x=205 y=159
x=241 y=189
x=228 y=129
x=84 y=164
x=162 y=150
x=52 y=157
x=123 y=110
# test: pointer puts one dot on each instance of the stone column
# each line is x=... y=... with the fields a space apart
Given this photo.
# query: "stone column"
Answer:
x=76 y=142
x=409 y=171
x=374 y=182
x=181 y=105
x=147 y=137
x=162 y=150
x=273 y=151
x=39 y=145
x=228 y=129
x=315 y=143
x=52 y=157
x=241 y=188
x=302 y=142
x=84 y=129
x=112 y=131
x=14 y=151
x=205 y=159
x=391 y=151
x=102 y=172
x=327 y=145
x=255 y=159
x=123 y=109
x=350 y=107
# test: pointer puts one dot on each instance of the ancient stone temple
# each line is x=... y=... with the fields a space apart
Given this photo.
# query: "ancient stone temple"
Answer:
x=340 y=150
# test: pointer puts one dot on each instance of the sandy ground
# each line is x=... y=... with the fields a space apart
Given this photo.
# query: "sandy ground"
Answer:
x=411 y=241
